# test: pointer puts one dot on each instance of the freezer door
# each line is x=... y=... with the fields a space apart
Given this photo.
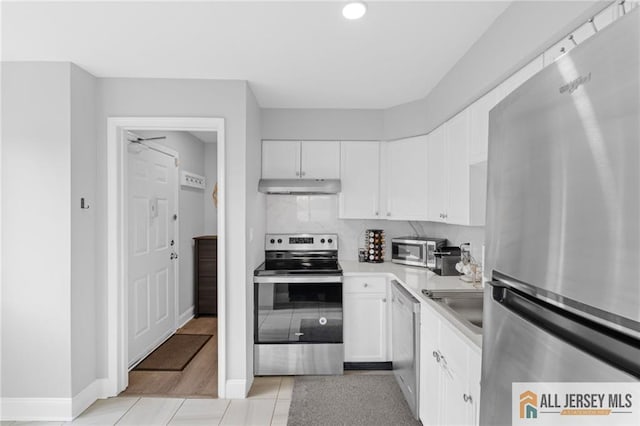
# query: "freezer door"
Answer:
x=528 y=341
x=563 y=194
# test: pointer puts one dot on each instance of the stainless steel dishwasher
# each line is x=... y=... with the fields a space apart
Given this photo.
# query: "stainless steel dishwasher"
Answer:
x=406 y=343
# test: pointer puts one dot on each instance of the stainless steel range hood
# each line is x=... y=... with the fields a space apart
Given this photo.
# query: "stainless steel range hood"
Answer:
x=300 y=186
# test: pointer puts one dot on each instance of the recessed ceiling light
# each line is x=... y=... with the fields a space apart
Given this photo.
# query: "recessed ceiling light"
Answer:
x=354 y=10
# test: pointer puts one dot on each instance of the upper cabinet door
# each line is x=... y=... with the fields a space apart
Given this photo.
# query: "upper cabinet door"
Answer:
x=320 y=160
x=407 y=179
x=520 y=76
x=479 y=125
x=457 y=141
x=437 y=179
x=360 y=176
x=280 y=159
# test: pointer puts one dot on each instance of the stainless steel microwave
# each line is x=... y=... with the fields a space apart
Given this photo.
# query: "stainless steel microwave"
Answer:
x=416 y=251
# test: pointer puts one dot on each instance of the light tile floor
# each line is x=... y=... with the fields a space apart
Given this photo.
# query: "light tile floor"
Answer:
x=267 y=405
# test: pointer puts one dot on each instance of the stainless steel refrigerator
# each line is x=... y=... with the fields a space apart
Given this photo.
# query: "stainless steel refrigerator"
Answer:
x=563 y=224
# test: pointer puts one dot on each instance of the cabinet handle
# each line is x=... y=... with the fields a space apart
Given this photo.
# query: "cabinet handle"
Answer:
x=467 y=398
x=303 y=174
x=573 y=40
x=436 y=355
x=376 y=213
x=366 y=285
x=384 y=300
x=388 y=213
x=297 y=173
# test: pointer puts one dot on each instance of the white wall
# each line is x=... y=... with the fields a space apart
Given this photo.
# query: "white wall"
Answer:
x=322 y=124
x=256 y=216
x=83 y=185
x=121 y=97
x=211 y=173
x=523 y=31
x=36 y=226
x=191 y=152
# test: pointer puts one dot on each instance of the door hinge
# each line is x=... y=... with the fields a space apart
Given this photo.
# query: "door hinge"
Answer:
x=177 y=163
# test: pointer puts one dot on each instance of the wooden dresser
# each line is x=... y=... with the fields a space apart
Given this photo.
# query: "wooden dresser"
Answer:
x=206 y=275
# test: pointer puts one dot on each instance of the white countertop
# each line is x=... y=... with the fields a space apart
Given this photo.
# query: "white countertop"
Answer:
x=416 y=279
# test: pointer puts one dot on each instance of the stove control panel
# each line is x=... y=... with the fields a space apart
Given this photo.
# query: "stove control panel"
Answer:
x=301 y=242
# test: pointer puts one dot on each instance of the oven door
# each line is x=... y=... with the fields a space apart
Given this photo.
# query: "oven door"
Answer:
x=298 y=309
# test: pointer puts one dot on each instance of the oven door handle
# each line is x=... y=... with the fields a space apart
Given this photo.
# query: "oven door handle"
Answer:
x=294 y=279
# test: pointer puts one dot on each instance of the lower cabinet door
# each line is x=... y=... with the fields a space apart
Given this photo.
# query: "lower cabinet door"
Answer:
x=365 y=327
x=455 y=408
x=430 y=369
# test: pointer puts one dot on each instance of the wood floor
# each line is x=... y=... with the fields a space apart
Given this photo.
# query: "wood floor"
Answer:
x=199 y=379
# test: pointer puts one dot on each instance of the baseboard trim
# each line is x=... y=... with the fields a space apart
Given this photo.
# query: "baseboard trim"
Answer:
x=185 y=317
x=236 y=389
x=52 y=409
x=96 y=390
x=35 y=409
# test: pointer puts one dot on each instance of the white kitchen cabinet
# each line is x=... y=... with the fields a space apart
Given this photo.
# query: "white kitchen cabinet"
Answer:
x=300 y=159
x=320 y=160
x=457 y=158
x=452 y=184
x=557 y=50
x=449 y=376
x=474 y=368
x=365 y=319
x=437 y=180
x=280 y=159
x=406 y=170
x=479 y=126
x=360 y=166
x=430 y=370
x=519 y=77
x=600 y=21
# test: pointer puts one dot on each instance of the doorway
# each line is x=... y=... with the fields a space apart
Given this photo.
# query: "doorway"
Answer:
x=119 y=261
x=172 y=259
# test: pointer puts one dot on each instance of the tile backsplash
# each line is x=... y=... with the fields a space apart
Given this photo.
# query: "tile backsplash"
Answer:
x=319 y=214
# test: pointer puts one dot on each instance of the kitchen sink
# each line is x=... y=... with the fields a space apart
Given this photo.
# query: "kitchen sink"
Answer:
x=465 y=305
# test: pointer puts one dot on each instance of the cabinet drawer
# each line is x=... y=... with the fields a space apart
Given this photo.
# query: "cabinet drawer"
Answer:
x=365 y=285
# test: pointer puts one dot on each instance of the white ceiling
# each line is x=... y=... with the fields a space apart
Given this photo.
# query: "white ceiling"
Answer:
x=299 y=54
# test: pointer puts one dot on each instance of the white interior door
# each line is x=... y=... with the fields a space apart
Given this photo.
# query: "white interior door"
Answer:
x=151 y=200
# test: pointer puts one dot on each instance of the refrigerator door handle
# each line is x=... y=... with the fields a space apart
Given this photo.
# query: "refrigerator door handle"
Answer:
x=610 y=346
